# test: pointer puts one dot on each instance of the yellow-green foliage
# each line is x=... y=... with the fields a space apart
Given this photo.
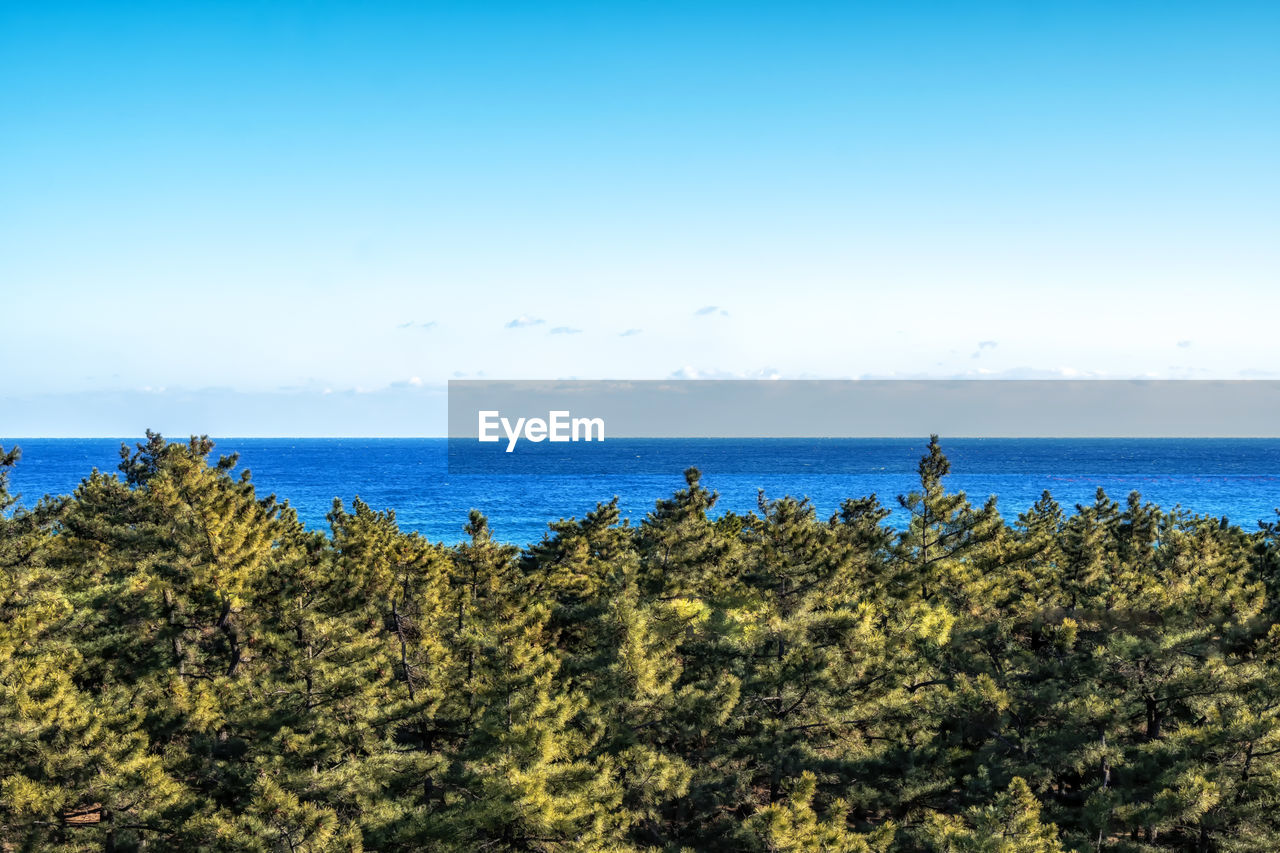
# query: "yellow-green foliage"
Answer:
x=184 y=666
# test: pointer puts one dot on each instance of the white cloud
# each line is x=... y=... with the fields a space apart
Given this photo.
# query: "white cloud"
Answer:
x=524 y=321
x=689 y=372
x=1011 y=373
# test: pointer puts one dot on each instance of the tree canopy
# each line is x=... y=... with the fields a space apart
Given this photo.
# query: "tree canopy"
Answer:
x=184 y=666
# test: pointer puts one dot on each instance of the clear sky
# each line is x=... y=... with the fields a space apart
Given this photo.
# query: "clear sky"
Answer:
x=232 y=212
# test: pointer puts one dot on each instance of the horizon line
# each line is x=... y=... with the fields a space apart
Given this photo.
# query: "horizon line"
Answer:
x=942 y=436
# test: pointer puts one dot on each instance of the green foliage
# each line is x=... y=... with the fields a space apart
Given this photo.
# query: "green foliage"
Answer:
x=1011 y=824
x=794 y=826
x=184 y=666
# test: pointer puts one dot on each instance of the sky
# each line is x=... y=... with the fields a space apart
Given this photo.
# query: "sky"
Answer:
x=304 y=218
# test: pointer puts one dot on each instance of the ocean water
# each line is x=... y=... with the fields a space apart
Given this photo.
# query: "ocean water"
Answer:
x=1235 y=478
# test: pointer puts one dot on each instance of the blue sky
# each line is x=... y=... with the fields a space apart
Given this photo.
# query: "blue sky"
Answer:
x=213 y=215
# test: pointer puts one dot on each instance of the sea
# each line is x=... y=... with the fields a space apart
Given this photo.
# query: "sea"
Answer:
x=1238 y=479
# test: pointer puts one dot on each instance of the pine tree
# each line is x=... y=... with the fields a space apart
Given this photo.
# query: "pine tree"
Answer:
x=529 y=781
x=794 y=827
x=815 y=653
x=578 y=568
x=640 y=709
x=685 y=553
x=396 y=672
x=75 y=768
x=940 y=552
x=1011 y=824
x=160 y=570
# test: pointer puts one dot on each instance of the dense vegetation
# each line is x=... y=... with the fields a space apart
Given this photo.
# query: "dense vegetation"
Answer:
x=183 y=666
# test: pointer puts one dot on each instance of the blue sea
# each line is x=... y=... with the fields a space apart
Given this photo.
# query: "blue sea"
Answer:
x=1235 y=478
